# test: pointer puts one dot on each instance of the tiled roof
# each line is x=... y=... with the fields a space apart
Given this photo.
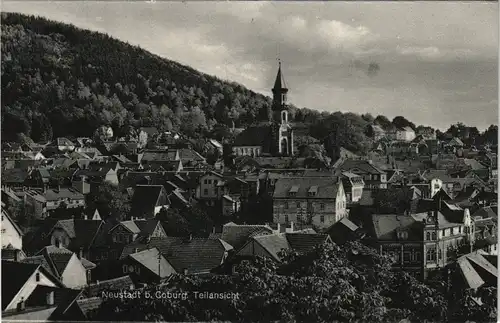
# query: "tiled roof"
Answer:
x=197 y=255
x=151 y=131
x=362 y=166
x=131 y=226
x=324 y=187
x=236 y=235
x=149 y=259
x=385 y=226
x=273 y=244
x=487 y=212
x=14 y=175
x=187 y=154
x=304 y=242
x=58 y=258
x=115 y=284
x=87 y=263
x=89 y=304
x=159 y=155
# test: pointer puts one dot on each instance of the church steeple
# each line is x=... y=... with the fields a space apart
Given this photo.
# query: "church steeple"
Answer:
x=279 y=91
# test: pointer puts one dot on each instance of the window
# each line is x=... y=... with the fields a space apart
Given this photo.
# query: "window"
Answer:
x=286 y=205
x=431 y=255
x=459 y=229
x=298 y=205
x=37 y=277
x=286 y=218
x=443 y=233
x=417 y=256
x=406 y=256
x=205 y=182
x=322 y=206
x=440 y=254
x=125 y=269
x=3 y=230
x=428 y=236
x=322 y=218
x=205 y=191
x=434 y=236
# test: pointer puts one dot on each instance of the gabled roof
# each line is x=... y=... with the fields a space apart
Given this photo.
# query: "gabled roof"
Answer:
x=304 y=242
x=17 y=274
x=58 y=258
x=154 y=261
x=197 y=255
x=236 y=235
x=273 y=244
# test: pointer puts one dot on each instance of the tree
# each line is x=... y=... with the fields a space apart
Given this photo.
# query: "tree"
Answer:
x=401 y=122
x=392 y=201
x=327 y=284
x=110 y=201
x=383 y=122
x=174 y=224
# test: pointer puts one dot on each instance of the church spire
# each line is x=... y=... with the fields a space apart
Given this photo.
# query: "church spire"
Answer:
x=279 y=84
x=279 y=91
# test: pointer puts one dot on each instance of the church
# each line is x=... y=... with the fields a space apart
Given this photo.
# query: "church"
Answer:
x=273 y=137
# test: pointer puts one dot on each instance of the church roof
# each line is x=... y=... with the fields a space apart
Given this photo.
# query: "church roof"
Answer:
x=254 y=136
x=280 y=80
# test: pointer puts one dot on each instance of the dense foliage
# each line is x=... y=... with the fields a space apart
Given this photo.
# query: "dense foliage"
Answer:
x=352 y=283
x=58 y=80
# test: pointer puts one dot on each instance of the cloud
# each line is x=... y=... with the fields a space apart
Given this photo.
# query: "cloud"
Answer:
x=428 y=52
x=426 y=55
x=338 y=34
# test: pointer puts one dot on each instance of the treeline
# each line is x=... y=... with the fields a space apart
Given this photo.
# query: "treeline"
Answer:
x=59 y=80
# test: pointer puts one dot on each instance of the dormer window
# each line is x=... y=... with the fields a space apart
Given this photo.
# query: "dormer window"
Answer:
x=313 y=190
x=293 y=191
x=403 y=235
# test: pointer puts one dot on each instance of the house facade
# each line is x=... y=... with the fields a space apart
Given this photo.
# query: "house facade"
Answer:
x=405 y=134
x=11 y=233
x=316 y=201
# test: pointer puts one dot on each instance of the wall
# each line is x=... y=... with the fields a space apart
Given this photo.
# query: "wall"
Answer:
x=29 y=287
x=253 y=249
x=10 y=234
x=74 y=274
x=296 y=214
x=208 y=183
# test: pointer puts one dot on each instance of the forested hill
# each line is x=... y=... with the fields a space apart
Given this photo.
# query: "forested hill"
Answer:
x=61 y=79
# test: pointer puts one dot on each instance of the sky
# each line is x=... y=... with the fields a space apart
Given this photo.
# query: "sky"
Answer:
x=436 y=63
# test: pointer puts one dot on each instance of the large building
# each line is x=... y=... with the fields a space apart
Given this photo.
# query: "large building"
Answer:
x=309 y=201
x=273 y=137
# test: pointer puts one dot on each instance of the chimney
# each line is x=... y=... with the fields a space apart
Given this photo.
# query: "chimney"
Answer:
x=213 y=230
x=50 y=298
x=21 y=306
x=185 y=271
x=190 y=237
x=291 y=226
x=80 y=253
